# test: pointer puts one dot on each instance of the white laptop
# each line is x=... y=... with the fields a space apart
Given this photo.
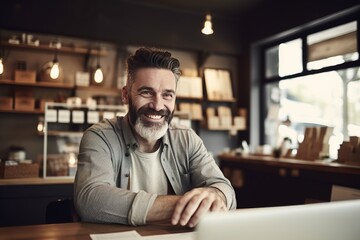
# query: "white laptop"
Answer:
x=317 y=221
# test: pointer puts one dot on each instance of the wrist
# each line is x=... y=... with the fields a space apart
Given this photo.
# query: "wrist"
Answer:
x=220 y=194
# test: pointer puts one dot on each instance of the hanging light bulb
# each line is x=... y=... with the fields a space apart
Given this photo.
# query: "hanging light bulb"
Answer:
x=98 y=76
x=207 y=30
x=1 y=66
x=55 y=71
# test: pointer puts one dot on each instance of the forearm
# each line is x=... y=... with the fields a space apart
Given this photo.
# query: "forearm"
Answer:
x=162 y=209
x=101 y=204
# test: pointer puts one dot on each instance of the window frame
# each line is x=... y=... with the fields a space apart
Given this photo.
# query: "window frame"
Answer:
x=258 y=68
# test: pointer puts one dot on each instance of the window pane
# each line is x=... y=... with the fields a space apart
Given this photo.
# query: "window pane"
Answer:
x=272 y=62
x=332 y=46
x=327 y=99
x=284 y=59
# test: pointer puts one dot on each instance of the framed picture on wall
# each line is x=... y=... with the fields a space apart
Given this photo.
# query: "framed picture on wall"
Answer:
x=218 y=84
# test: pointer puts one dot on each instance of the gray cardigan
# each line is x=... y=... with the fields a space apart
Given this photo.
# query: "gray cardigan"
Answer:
x=101 y=182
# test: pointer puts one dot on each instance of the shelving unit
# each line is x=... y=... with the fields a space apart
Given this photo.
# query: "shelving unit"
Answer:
x=63 y=127
x=221 y=114
x=29 y=85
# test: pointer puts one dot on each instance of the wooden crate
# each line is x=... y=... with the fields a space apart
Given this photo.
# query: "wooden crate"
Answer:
x=6 y=103
x=21 y=170
x=24 y=103
x=25 y=76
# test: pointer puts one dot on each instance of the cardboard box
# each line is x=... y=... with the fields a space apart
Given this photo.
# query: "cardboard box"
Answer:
x=21 y=170
x=24 y=103
x=6 y=103
x=43 y=102
x=25 y=76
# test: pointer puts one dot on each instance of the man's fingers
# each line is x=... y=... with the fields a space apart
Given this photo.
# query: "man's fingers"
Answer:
x=196 y=203
x=181 y=205
x=201 y=210
x=195 y=206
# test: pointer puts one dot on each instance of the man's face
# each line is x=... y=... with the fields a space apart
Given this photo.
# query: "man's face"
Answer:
x=151 y=102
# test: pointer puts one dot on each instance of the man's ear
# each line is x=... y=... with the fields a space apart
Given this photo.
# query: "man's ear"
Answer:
x=125 y=95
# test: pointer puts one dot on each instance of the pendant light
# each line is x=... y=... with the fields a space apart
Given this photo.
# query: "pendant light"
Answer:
x=55 y=67
x=207 y=30
x=1 y=66
x=98 y=76
x=2 y=54
x=55 y=71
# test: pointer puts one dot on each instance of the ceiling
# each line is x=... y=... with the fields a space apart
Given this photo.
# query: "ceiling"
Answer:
x=215 y=7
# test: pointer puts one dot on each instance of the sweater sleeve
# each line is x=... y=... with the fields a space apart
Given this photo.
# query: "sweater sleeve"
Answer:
x=97 y=198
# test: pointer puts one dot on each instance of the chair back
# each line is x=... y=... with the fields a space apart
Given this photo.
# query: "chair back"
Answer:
x=61 y=211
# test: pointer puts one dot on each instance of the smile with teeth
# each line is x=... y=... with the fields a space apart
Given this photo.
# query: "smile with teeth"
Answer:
x=155 y=117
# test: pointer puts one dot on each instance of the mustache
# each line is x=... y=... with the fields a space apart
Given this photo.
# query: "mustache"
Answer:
x=149 y=111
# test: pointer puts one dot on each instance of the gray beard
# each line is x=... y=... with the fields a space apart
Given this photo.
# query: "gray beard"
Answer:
x=152 y=133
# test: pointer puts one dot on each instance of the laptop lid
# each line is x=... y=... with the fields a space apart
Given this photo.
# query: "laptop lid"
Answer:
x=317 y=221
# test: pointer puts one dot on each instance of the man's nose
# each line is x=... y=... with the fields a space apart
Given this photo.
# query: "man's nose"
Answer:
x=157 y=103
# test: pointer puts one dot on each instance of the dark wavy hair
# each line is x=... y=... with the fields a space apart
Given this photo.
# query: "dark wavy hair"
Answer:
x=151 y=58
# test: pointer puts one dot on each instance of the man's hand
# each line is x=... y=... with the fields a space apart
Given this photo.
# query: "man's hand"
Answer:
x=195 y=203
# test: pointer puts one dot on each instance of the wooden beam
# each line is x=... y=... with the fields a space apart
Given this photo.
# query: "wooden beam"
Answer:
x=340 y=45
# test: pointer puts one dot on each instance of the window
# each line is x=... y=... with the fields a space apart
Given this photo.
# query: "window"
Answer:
x=284 y=59
x=310 y=79
x=332 y=46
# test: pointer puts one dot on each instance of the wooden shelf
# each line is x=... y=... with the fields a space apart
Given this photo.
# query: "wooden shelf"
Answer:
x=38 y=84
x=64 y=134
x=232 y=128
x=222 y=100
x=189 y=98
x=98 y=88
x=36 y=111
x=63 y=49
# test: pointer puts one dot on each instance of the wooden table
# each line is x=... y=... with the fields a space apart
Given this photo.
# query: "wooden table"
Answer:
x=80 y=230
x=267 y=181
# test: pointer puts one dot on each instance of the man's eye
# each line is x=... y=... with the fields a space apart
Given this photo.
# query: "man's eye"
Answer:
x=168 y=96
x=146 y=93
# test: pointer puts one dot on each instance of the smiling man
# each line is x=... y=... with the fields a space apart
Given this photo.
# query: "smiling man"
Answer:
x=140 y=168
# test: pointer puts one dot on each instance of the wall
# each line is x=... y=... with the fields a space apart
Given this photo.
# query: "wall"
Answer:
x=121 y=21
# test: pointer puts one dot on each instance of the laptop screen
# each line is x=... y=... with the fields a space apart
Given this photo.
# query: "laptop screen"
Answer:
x=317 y=221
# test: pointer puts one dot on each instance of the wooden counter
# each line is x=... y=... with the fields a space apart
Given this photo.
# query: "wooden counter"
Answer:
x=23 y=201
x=268 y=161
x=268 y=181
x=36 y=181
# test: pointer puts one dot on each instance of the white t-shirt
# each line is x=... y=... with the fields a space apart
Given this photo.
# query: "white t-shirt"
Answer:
x=147 y=174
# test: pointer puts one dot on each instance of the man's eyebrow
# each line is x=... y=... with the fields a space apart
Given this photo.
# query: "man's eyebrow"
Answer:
x=151 y=89
x=145 y=88
x=169 y=91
